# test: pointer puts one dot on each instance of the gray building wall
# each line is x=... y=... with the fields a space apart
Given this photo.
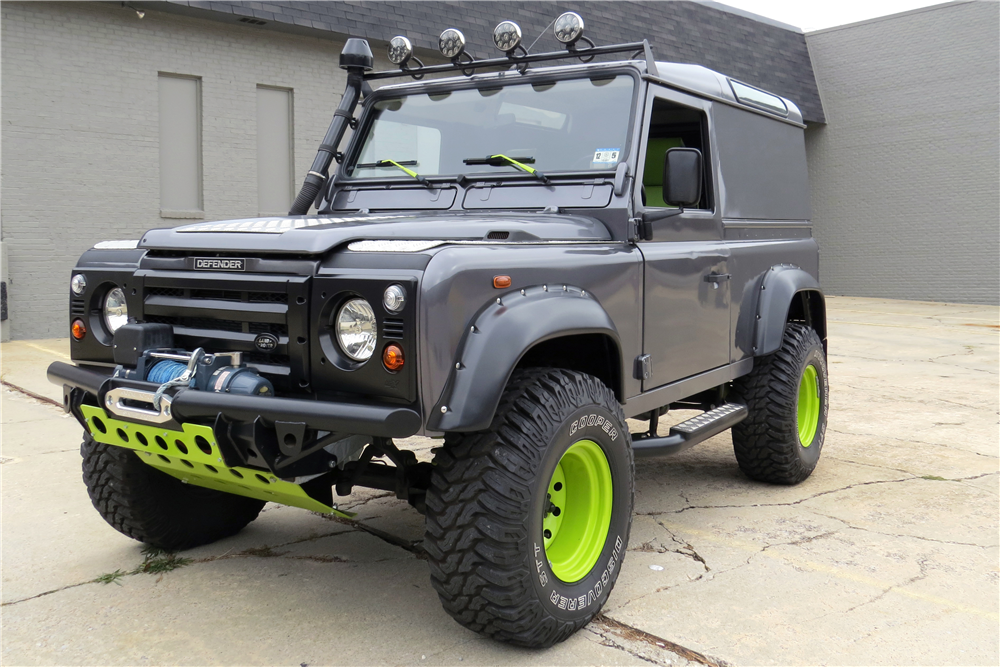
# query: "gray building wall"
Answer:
x=81 y=133
x=904 y=177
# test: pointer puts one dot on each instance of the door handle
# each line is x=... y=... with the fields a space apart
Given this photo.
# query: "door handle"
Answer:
x=717 y=277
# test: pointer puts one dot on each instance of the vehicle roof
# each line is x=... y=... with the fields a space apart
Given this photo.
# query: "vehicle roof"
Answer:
x=695 y=79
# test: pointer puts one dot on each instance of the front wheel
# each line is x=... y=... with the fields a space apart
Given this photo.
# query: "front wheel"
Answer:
x=527 y=523
x=152 y=507
x=786 y=395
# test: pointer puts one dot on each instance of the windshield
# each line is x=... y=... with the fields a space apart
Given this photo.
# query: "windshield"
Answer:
x=570 y=125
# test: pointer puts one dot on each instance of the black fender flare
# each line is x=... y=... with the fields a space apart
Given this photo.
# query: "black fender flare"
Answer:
x=496 y=340
x=778 y=288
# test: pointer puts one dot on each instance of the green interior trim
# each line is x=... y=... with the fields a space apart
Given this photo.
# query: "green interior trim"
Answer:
x=652 y=172
x=575 y=527
x=809 y=405
x=192 y=456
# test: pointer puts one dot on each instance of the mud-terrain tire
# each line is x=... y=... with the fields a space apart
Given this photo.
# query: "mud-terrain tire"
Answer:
x=150 y=506
x=787 y=397
x=506 y=560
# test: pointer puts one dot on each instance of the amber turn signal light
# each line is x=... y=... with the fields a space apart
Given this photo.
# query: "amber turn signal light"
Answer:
x=392 y=357
x=79 y=329
x=501 y=282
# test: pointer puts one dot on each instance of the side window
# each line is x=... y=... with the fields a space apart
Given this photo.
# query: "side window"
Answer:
x=672 y=125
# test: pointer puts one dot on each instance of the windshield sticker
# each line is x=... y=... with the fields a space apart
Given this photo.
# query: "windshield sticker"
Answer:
x=605 y=156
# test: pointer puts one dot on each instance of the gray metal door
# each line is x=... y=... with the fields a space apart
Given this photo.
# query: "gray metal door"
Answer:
x=686 y=320
x=686 y=308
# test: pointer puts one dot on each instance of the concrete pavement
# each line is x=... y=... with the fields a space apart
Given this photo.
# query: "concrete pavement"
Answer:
x=887 y=555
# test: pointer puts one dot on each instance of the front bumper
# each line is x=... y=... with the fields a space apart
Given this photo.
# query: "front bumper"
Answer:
x=189 y=405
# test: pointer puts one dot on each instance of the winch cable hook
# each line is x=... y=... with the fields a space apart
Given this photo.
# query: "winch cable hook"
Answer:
x=182 y=380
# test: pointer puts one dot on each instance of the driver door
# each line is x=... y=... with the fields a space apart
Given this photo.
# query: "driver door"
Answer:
x=686 y=326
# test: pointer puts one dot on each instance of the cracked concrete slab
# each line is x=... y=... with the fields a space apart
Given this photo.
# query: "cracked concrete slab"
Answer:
x=886 y=555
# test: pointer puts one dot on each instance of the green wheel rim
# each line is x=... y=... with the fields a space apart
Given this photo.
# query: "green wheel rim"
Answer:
x=577 y=512
x=809 y=404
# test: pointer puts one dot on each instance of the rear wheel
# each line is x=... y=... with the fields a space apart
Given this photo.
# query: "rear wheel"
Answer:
x=786 y=394
x=527 y=523
x=150 y=506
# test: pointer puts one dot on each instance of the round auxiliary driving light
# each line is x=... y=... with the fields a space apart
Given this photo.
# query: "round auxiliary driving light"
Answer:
x=507 y=36
x=394 y=298
x=451 y=43
x=400 y=50
x=568 y=28
x=115 y=310
x=356 y=330
x=78 y=284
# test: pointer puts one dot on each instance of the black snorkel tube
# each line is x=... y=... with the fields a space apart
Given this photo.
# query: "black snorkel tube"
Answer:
x=357 y=59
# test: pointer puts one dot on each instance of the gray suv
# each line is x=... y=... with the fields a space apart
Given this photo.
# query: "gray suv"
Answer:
x=515 y=259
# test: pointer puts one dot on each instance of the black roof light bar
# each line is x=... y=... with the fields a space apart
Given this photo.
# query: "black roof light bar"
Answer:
x=567 y=28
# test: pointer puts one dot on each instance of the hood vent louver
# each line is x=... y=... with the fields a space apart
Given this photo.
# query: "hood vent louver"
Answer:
x=498 y=236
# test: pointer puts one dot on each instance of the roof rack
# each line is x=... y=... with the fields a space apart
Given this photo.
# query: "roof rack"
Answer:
x=521 y=62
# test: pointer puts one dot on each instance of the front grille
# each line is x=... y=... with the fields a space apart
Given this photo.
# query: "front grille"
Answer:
x=228 y=314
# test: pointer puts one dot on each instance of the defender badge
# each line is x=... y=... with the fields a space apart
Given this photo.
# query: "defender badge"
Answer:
x=219 y=264
x=266 y=342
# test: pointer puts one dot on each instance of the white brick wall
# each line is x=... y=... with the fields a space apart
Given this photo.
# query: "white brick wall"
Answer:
x=904 y=179
x=80 y=130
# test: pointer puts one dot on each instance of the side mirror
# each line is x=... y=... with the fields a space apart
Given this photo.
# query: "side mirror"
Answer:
x=682 y=177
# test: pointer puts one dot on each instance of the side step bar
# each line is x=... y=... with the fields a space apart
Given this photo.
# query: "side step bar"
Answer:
x=688 y=434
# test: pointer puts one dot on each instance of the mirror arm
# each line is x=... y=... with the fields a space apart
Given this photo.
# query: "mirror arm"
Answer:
x=649 y=217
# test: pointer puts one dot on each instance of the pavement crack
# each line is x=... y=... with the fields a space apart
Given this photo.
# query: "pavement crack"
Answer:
x=907 y=441
x=914 y=537
x=31 y=394
x=922 y=564
x=633 y=634
x=686 y=549
x=365 y=501
x=50 y=592
x=791 y=504
x=414 y=547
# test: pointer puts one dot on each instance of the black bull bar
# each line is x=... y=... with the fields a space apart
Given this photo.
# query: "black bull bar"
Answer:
x=381 y=421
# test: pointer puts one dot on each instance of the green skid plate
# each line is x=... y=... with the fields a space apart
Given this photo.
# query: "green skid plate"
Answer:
x=193 y=457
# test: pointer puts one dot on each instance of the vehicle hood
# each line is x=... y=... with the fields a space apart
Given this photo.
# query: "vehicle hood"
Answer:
x=319 y=234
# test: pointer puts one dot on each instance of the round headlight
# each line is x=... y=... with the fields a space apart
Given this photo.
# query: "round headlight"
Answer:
x=394 y=298
x=78 y=284
x=568 y=27
x=507 y=36
x=356 y=330
x=451 y=43
x=115 y=310
x=400 y=50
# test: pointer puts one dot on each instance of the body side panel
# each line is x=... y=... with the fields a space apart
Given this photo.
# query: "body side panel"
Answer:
x=458 y=283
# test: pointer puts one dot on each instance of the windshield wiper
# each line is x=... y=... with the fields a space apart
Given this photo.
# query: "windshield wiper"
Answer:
x=397 y=165
x=500 y=160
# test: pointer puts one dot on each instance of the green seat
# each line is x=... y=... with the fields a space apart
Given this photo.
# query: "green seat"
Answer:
x=652 y=174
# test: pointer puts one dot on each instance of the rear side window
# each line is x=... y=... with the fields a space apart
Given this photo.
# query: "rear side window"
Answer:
x=756 y=97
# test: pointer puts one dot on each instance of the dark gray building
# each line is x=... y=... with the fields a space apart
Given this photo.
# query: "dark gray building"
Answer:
x=121 y=117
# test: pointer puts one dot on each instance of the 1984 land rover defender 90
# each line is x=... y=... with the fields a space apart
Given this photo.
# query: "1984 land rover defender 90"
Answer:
x=516 y=258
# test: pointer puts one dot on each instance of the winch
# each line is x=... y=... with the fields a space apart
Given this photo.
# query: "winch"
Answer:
x=145 y=353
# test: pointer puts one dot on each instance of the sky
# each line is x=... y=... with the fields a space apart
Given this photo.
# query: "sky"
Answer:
x=818 y=14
